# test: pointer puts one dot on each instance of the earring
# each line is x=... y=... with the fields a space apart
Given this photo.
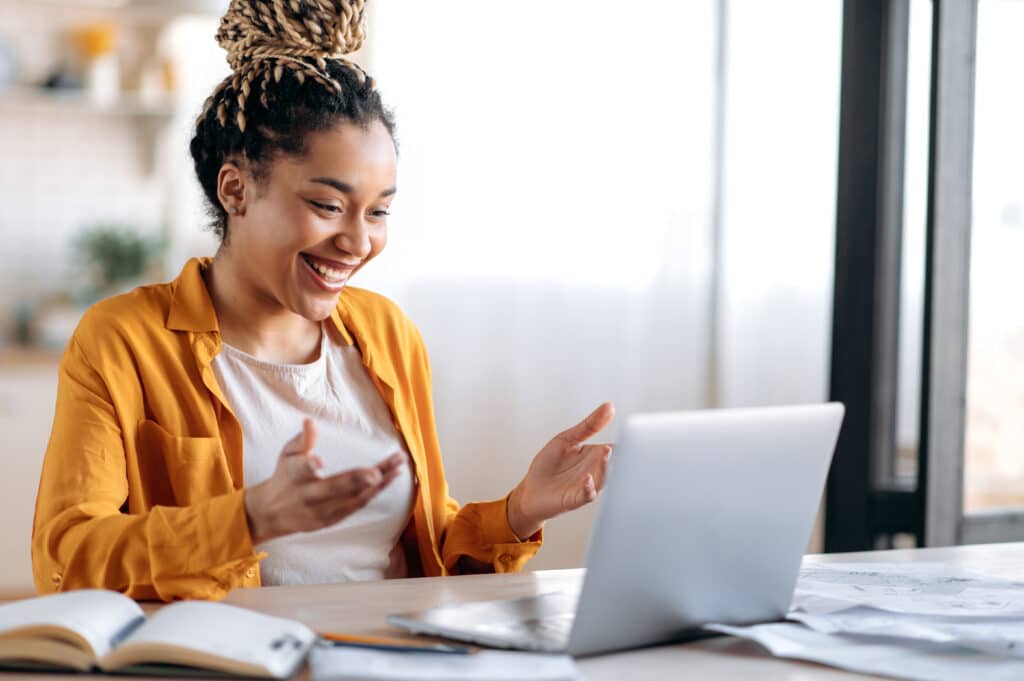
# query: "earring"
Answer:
x=234 y=210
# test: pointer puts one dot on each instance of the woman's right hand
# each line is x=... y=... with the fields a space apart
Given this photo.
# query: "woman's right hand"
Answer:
x=297 y=498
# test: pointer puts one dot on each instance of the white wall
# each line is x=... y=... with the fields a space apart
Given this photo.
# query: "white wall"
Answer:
x=26 y=411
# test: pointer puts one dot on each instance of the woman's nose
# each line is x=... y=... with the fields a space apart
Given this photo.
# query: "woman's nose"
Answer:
x=354 y=238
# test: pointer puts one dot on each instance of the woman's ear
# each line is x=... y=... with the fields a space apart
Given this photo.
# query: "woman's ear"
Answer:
x=231 y=188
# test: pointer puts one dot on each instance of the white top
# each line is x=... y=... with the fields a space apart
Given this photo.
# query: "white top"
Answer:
x=355 y=429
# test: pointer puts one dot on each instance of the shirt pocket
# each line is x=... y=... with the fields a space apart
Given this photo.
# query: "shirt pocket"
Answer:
x=194 y=467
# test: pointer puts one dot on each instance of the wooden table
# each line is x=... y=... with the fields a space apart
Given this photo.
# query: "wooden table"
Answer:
x=362 y=608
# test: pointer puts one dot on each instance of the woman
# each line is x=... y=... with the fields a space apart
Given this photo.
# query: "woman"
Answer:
x=145 y=488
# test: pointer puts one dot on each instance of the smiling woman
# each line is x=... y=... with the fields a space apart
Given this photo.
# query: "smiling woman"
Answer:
x=298 y=229
x=145 y=488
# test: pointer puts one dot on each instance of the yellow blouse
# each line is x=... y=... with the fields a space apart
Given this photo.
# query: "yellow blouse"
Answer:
x=142 y=486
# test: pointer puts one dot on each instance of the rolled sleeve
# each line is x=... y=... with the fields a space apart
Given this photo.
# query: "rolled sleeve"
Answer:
x=481 y=531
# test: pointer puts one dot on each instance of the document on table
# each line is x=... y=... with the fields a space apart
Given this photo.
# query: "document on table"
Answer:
x=906 y=620
x=901 y=659
x=997 y=635
x=349 y=664
x=919 y=588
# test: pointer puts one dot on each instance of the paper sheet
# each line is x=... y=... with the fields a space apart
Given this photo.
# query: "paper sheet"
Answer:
x=1001 y=636
x=919 y=588
x=916 y=660
x=342 y=664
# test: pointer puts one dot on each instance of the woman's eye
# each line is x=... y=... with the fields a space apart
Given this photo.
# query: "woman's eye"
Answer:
x=330 y=208
x=383 y=213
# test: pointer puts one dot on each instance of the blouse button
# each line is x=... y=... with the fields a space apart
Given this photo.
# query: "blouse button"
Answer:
x=250 y=573
x=505 y=558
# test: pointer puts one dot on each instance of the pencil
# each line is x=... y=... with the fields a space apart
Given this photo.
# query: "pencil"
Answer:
x=393 y=644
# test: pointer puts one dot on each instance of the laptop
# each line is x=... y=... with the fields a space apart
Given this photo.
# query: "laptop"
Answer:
x=704 y=518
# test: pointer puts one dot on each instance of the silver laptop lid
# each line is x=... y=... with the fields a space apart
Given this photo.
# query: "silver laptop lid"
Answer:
x=705 y=517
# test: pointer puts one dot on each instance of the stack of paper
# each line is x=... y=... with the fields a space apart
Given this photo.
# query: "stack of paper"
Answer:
x=924 y=621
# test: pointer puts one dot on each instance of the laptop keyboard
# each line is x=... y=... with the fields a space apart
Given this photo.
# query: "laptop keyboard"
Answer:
x=549 y=633
x=542 y=623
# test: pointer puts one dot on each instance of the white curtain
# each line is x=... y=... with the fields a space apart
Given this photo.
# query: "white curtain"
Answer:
x=550 y=236
x=778 y=221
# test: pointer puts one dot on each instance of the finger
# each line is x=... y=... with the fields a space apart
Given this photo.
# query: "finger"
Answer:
x=300 y=467
x=339 y=508
x=587 y=456
x=587 y=492
x=304 y=442
x=590 y=426
x=385 y=480
x=315 y=465
x=388 y=477
x=393 y=462
x=598 y=464
x=340 y=486
x=594 y=451
x=364 y=479
x=310 y=435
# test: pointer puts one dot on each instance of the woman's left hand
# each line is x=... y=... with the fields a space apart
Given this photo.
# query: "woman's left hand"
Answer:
x=565 y=475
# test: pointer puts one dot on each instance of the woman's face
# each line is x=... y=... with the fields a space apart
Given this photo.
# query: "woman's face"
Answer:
x=314 y=220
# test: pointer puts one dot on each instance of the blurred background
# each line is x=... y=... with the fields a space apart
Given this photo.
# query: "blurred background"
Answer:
x=594 y=205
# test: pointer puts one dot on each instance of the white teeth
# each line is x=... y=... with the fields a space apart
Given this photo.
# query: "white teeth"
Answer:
x=328 y=273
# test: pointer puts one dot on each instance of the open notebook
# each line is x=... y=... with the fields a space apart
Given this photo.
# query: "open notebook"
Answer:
x=105 y=631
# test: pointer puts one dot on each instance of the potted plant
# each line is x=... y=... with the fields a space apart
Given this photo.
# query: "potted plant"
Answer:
x=112 y=259
x=108 y=259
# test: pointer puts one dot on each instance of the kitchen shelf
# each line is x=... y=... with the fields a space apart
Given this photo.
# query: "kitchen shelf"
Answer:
x=141 y=11
x=28 y=357
x=34 y=99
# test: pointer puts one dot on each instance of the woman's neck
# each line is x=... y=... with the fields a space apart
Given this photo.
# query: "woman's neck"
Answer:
x=255 y=324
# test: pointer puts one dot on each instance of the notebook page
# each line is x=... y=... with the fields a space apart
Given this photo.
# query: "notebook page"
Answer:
x=214 y=631
x=98 y=616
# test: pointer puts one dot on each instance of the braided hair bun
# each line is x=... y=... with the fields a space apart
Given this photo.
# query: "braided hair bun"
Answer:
x=321 y=28
x=289 y=78
x=265 y=37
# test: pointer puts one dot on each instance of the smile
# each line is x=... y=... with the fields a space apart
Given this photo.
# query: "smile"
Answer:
x=329 y=275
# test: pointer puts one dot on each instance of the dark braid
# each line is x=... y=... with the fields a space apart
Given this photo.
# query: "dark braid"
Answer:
x=288 y=81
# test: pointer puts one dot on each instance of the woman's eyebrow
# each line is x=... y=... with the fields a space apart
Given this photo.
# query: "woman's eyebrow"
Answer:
x=346 y=188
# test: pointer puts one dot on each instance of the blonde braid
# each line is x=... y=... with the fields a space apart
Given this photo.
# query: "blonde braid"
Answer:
x=263 y=38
